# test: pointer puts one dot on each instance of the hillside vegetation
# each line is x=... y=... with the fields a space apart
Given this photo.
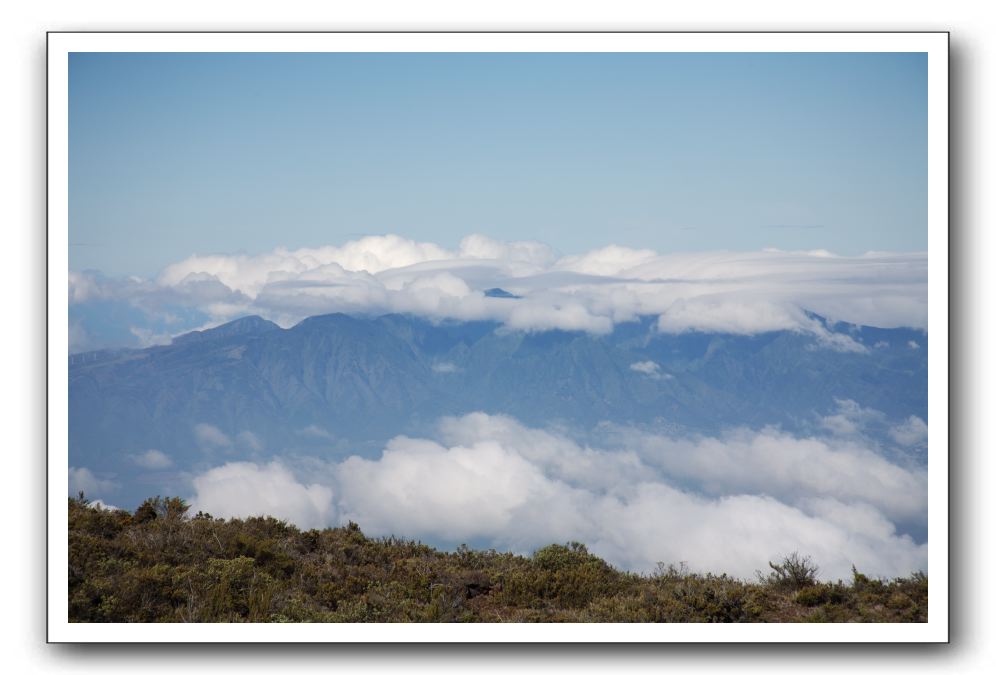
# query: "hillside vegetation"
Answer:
x=160 y=564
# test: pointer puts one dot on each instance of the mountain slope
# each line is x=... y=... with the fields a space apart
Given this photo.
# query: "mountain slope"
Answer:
x=338 y=384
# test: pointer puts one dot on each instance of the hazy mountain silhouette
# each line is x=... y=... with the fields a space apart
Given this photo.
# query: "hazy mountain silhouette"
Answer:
x=337 y=384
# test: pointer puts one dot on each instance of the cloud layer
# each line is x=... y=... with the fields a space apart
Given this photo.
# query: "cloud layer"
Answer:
x=721 y=504
x=717 y=291
x=247 y=489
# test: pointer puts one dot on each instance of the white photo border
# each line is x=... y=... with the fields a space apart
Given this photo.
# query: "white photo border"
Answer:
x=61 y=44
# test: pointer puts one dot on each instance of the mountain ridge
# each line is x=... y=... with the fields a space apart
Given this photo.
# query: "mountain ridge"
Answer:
x=338 y=384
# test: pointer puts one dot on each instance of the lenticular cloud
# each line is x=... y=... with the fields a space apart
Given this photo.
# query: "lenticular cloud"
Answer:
x=737 y=292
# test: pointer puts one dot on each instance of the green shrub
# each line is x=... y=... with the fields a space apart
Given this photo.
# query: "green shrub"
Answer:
x=794 y=572
x=161 y=564
x=822 y=594
x=236 y=590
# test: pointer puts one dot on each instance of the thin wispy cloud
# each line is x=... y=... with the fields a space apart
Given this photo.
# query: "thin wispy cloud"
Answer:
x=152 y=459
x=316 y=432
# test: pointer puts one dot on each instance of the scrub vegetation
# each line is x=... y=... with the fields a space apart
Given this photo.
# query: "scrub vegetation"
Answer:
x=160 y=564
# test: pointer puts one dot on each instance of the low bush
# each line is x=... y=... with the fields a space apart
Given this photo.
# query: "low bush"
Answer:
x=161 y=564
x=793 y=573
x=822 y=594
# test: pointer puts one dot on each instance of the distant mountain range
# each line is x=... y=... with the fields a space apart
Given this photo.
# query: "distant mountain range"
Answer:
x=335 y=385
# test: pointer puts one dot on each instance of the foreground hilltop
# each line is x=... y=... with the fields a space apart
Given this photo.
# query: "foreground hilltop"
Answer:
x=159 y=564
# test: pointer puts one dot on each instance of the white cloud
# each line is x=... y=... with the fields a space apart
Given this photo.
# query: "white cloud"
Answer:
x=651 y=369
x=645 y=367
x=250 y=273
x=726 y=504
x=83 y=480
x=423 y=487
x=608 y=261
x=749 y=496
x=788 y=468
x=102 y=506
x=445 y=367
x=152 y=459
x=242 y=489
x=913 y=344
x=851 y=418
x=729 y=313
x=839 y=424
x=741 y=533
x=554 y=451
x=911 y=432
x=569 y=315
x=210 y=437
x=85 y=286
x=716 y=291
x=738 y=314
x=478 y=246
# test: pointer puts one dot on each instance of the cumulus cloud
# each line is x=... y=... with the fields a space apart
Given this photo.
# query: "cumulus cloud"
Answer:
x=83 y=480
x=242 y=489
x=210 y=437
x=722 y=504
x=608 y=261
x=645 y=367
x=649 y=368
x=788 y=468
x=735 y=533
x=152 y=459
x=422 y=486
x=850 y=418
x=911 y=432
x=717 y=291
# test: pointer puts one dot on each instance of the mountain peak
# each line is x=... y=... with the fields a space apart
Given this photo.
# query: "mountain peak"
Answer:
x=325 y=320
x=246 y=325
x=500 y=293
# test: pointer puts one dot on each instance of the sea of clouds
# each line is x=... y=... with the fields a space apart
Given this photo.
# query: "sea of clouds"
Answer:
x=736 y=292
x=728 y=503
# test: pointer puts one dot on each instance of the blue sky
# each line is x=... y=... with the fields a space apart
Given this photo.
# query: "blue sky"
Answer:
x=176 y=154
